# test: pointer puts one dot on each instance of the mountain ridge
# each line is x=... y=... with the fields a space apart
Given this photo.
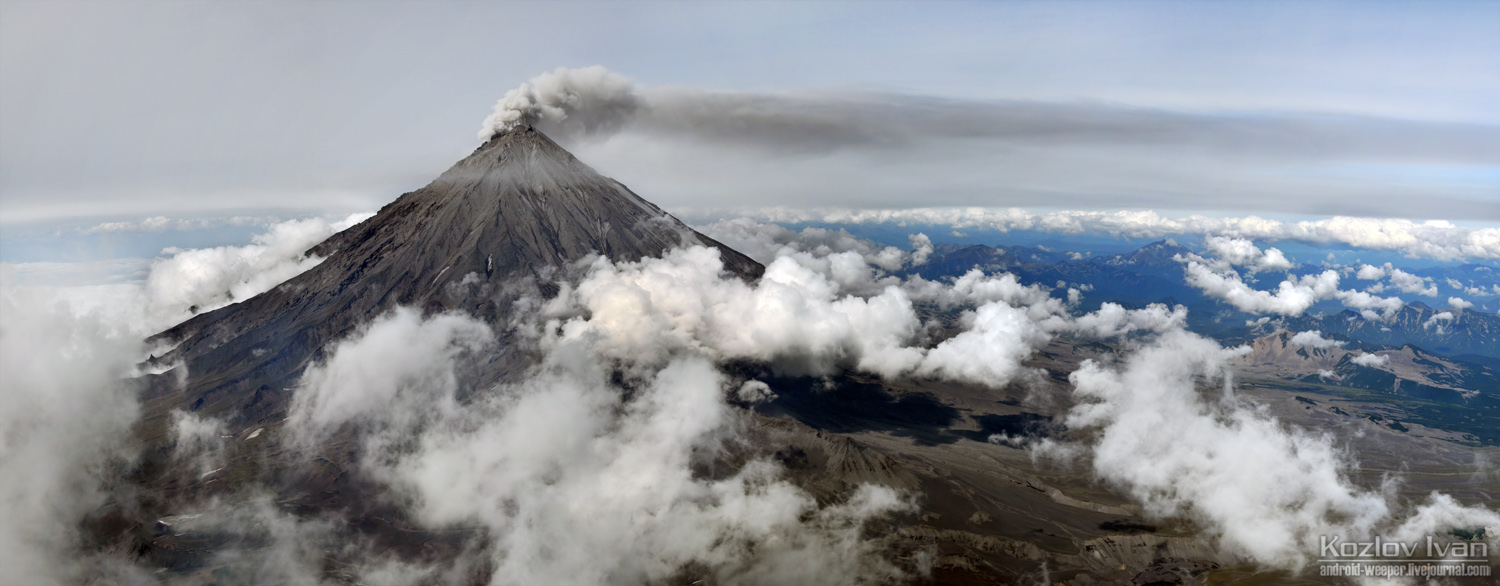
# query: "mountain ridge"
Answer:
x=518 y=208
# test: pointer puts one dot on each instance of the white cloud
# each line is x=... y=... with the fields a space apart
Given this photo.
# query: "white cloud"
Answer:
x=1472 y=291
x=567 y=457
x=1432 y=239
x=187 y=282
x=806 y=315
x=1371 y=360
x=1439 y=320
x=1315 y=339
x=202 y=279
x=921 y=247
x=1459 y=303
x=164 y=223
x=399 y=365
x=1112 y=320
x=576 y=480
x=1243 y=252
x=1372 y=273
x=767 y=242
x=1291 y=297
x=997 y=337
x=794 y=317
x=198 y=441
x=65 y=413
x=754 y=391
x=1263 y=490
x=1409 y=283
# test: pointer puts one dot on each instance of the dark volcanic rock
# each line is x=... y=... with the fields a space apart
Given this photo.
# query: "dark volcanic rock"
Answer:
x=519 y=207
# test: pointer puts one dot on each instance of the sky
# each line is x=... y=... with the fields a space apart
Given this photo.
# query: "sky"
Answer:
x=1287 y=110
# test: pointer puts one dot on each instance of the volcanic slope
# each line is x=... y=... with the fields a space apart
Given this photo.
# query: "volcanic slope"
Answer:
x=515 y=210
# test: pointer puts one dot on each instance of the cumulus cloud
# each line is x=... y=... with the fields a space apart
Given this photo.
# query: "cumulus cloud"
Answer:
x=997 y=337
x=576 y=480
x=1243 y=252
x=1314 y=339
x=566 y=456
x=767 y=242
x=807 y=314
x=1291 y=297
x=400 y=365
x=1371 y=360
x=1262 y=490
x=921 y=247
x=1409 y=283
x=1459 y=303
x=1113 y=320
x=1473 y=290
x=1372 y=273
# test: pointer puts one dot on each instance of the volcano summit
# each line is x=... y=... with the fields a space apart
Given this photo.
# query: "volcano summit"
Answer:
x=518 y=209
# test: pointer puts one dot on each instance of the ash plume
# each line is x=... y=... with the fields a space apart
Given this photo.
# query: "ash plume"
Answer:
x=567 y=103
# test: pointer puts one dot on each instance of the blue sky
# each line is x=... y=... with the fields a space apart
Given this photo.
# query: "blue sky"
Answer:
x=129 y=110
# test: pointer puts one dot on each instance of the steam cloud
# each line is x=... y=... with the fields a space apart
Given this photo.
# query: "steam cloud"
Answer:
x=571 y=103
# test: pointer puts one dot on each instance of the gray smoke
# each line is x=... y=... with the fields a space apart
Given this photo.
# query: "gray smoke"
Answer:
x=596 y=101
x=567 y=103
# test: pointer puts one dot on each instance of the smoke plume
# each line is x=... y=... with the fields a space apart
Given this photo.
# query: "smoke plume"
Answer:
x=566 y=103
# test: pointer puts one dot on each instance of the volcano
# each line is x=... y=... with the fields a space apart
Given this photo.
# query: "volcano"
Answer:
x=516 y=210
x=511 y=220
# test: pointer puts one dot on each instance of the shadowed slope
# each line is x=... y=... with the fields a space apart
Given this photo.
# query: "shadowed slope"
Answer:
x=519 y=206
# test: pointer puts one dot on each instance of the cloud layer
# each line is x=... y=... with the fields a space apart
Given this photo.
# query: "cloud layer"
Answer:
x=589 y=468
x=1431 y=239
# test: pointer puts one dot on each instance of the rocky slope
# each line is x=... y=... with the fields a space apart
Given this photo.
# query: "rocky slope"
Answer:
x=513 y=211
